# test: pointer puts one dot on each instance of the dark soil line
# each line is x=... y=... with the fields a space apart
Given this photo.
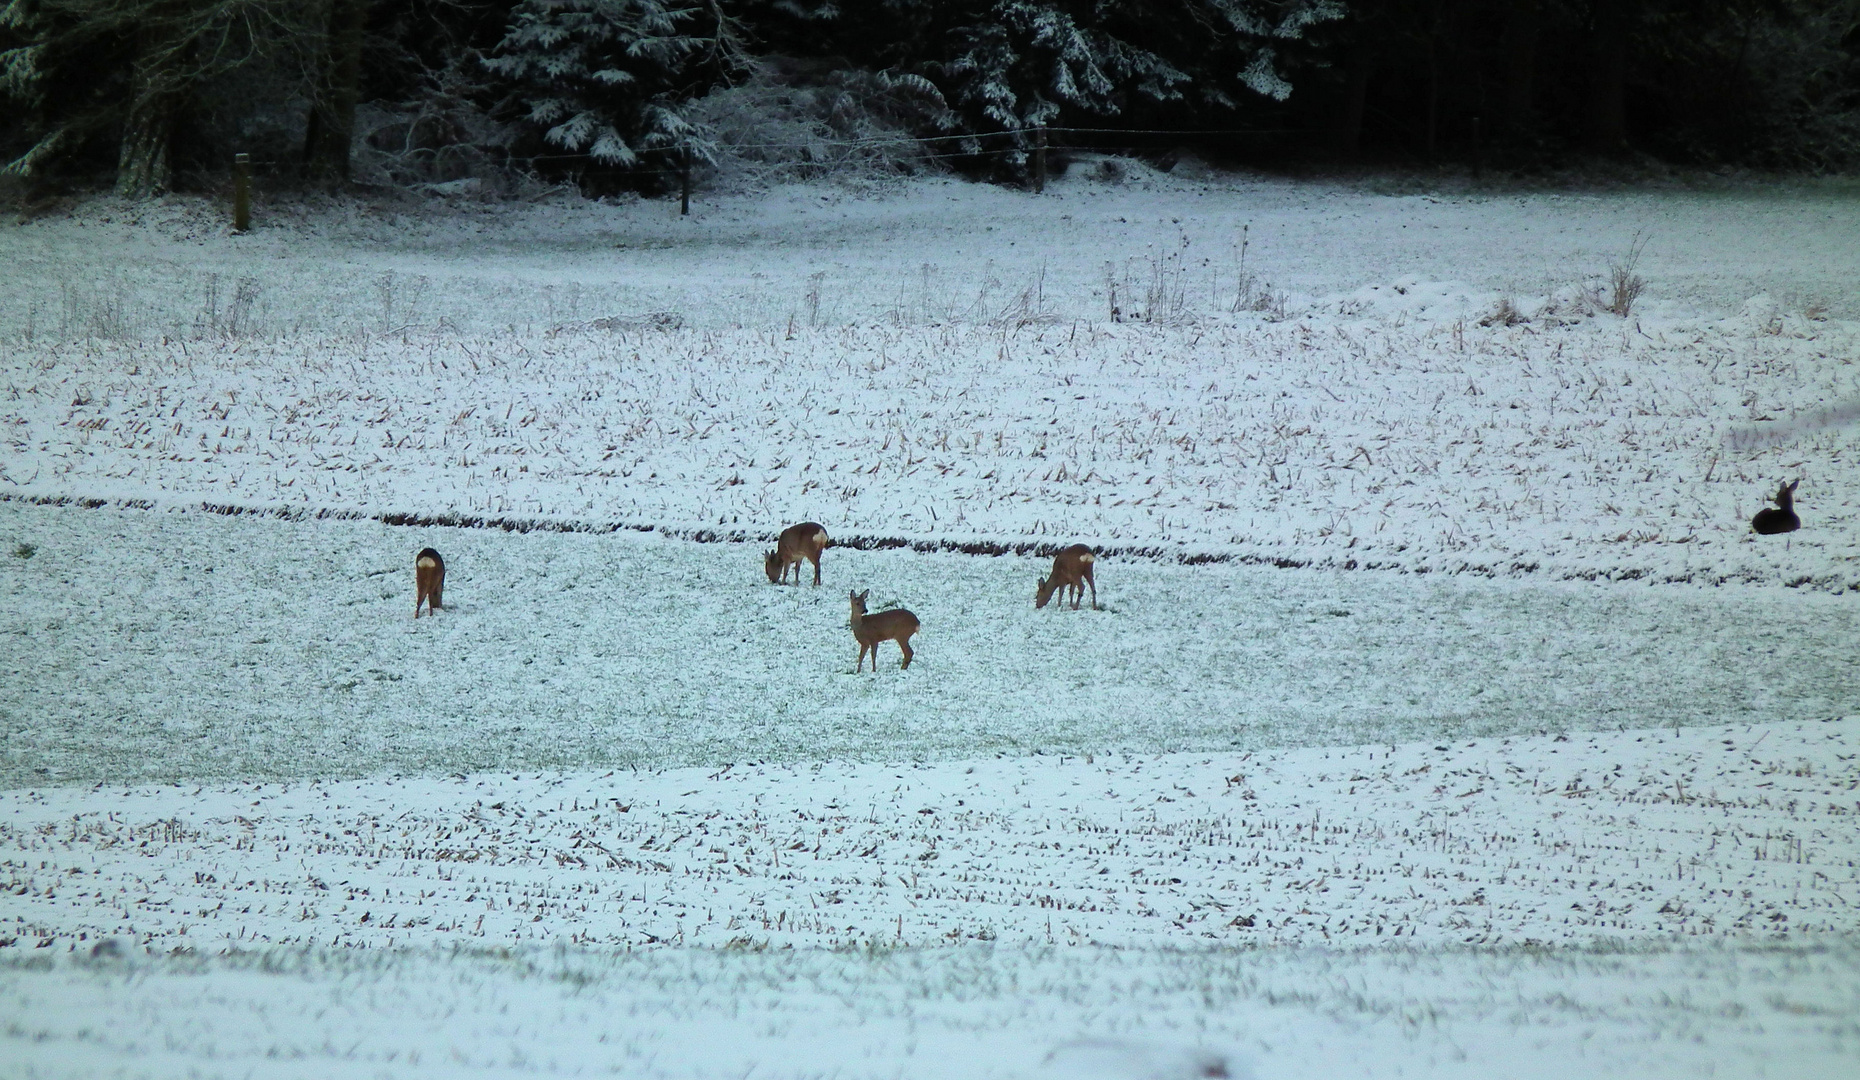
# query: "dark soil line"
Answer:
x=1043 y=548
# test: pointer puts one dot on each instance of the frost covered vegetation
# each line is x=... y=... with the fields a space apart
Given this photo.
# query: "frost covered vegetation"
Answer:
x=1441 y=715
x=1538 y=840
x=1351 y=443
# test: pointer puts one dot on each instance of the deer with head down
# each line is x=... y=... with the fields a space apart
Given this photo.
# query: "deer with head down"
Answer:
x=804 y=541
x=896 y=625
x=1071 y=571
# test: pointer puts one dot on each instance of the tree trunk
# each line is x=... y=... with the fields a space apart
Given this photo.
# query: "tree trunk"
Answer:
x=1433 y=97
x=1349 y=130
x=1519 y=48
x=331 y=128
x=143 y=167
x=1608 y=77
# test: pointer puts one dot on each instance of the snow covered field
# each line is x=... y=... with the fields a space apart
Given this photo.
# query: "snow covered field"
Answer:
x=977 y=1010
x=1442 y=717
x=1743 y=833
x=1605 y=448
x=929 y=251
x=296 y=644
x=1651 y=903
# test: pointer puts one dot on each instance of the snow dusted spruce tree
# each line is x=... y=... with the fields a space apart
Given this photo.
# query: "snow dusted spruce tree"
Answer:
x=1018 y=64
x=604 y=78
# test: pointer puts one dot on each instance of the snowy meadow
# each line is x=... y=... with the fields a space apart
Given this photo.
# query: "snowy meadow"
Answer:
x=1440 y=716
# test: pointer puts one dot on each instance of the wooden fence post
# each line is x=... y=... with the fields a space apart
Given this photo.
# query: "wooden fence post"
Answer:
x=1039 y=160
x=684 y=180
x=242 y=192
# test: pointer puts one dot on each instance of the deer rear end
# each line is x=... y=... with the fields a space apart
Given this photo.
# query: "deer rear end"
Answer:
x=804 y=541
x=429 y=579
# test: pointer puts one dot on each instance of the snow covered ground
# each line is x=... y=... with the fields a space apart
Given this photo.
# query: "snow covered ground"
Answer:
x=927 y=251
x=1744 y=832
x=1441 y=718
x=1642 y=903
x=296 y=643
x=1605 y=448
x=1371 y=419
x=961 y=1012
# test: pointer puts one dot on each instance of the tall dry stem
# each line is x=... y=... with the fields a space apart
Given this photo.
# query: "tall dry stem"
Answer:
x=1625 y=286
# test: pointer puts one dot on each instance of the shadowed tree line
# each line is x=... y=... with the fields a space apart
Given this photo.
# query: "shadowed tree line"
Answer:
x=1766 y=83
x=148 y=95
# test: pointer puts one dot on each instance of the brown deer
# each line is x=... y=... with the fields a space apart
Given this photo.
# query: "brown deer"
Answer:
x=896 y=625
x=429 y=578
x=1071 y=570
x=804 y=541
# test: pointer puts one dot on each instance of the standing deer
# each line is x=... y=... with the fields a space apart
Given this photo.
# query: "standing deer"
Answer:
x=804 y=541
x=1779 y=518
x=896 y=625
x=1071 y=570
x=429 y=578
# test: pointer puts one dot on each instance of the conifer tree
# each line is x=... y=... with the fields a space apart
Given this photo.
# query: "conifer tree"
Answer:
x=604 y=77
x=82 y=68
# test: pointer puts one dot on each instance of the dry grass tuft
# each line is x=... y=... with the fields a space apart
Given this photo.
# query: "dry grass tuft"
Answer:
x=1625 y=286
x=1505 y=314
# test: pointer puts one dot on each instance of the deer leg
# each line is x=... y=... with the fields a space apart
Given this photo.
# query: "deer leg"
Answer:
x=904 y=643
x=1094 y=590
x=797 y=570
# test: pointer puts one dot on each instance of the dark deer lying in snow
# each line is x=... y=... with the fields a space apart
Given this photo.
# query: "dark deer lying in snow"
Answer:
x=1779 y=518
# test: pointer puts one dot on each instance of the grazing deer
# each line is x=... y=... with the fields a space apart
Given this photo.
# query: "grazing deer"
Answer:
x=1781 y=517
x=1071 y=570
x=896 y=625
x=804 y=541
x=429 y=578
